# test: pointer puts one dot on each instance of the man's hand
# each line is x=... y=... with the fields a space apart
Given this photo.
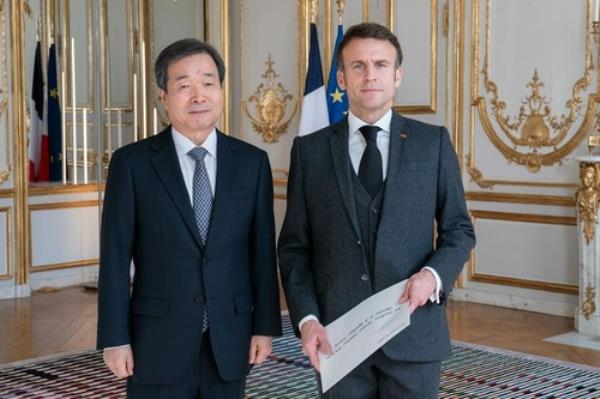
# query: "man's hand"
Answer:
x=119 y=360
x=314 y=338
x=419 y=288
x=260 y=348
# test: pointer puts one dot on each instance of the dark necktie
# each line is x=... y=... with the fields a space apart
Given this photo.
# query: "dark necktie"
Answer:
x=370 y=171
x=202 y=204
x=202 y=193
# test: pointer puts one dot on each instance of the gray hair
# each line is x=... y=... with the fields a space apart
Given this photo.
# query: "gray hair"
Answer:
x=181 y=49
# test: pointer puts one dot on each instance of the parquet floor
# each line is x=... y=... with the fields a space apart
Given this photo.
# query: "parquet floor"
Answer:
x=65 y=321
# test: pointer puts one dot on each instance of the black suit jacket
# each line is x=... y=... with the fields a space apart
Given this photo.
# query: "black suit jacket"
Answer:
x=148 y=219
x=321 y=256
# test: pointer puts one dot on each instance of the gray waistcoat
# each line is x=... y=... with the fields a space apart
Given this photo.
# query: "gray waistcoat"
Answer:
x=368 y=211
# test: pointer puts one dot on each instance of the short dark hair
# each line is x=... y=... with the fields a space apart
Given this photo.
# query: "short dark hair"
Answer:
x=368 y=30
x=181 y=49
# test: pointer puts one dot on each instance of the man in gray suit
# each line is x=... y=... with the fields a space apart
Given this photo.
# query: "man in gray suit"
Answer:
x=363 y=196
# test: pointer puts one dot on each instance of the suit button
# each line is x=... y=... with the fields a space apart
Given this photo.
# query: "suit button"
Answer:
x=374 y=210
x=199 y=300
x=364 y=277
x=358 y=242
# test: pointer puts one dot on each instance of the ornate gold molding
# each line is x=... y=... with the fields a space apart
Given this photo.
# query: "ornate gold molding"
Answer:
x=7 y=193
x=588 y=198
x=532 y=199
x=532 y=159
x=588 y=307
x=27 y=9
x=476 y=174
x=525 y=217
x=5 y=174
x=64 y=205
x=65 y=265
x=21 y=219
x=270 y=100
x=532 y=126
x=53 y=189
x=7 y=170
x=526 y=159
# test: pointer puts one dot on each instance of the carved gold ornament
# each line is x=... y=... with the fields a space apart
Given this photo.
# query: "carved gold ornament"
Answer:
x=476 y=174
x=314 y=10
x=575 y=123
x=535 y=127
x=587 y=198
x=588 y=307
x=340 y=9
x=593 y=140
x=270 y=101
x=5 y=174
x=27 y=9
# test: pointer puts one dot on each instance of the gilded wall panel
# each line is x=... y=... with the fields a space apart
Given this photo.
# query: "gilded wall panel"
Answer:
x=422 y=48
x=5 y=136
x=538 y=251
x=266 y=77
x=78 y=242
x=533 y=99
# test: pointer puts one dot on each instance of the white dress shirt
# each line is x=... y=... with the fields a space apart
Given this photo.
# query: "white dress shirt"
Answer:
x=183 y=145
x=356 y=148
x=357 y=142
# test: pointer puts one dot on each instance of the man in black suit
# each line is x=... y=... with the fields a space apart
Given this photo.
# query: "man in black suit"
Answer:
x=363 y=196
x=193 y=209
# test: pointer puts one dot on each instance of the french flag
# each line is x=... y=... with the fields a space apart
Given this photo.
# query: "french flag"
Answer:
x=39 y=165
x=313 y=115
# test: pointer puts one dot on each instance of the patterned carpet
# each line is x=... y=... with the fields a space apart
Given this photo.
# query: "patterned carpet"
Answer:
x=472 y=372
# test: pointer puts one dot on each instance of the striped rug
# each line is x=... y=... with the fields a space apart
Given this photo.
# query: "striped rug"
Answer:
x=471 y=372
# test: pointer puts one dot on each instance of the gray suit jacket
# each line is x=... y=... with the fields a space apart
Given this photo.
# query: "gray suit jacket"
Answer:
x=321 y=257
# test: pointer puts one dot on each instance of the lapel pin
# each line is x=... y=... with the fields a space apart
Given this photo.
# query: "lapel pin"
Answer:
x=403 y=135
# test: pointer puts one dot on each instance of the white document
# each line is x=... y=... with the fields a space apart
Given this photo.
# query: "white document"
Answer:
x=361 y=331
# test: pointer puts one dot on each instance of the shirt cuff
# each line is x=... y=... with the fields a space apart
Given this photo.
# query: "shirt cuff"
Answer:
x=435 y=295
x=305 y=319
x=116 y=347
